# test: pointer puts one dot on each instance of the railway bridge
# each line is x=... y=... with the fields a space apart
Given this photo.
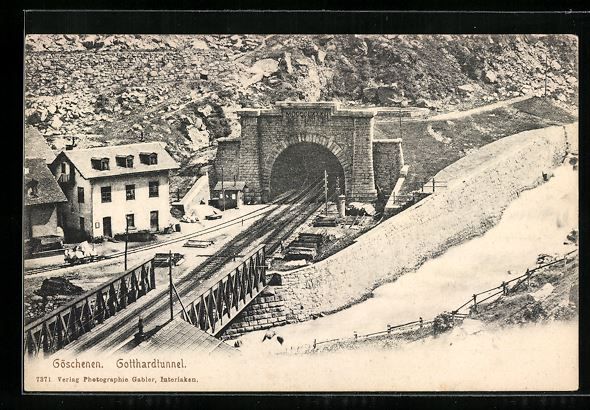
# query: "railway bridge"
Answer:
x=208 y=296
x=296 y=141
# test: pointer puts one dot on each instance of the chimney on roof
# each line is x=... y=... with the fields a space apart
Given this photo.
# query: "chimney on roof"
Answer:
x=71 y=146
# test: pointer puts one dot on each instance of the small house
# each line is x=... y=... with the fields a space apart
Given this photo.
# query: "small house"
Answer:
x=112 y=188
x=228 y=194
x=42 y=195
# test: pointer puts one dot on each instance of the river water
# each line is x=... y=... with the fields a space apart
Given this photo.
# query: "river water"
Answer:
x=536 y=222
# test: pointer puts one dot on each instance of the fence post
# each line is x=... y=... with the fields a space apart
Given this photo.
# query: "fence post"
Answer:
x=388 y=329
x=475 y=303
x=504 y=290
x=315 y=343
x=356 y=336
x=433 y=185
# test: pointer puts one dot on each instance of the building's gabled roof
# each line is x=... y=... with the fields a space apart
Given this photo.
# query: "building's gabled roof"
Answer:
x=47 y=189
x=36 y=146
x=230 y=186
x=82 y=159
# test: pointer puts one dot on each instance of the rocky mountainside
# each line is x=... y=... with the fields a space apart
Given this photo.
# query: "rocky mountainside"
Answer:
x=184 y=90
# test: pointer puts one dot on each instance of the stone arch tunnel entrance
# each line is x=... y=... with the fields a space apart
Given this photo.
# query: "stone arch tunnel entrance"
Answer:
x=303 y=163
x=280 y=146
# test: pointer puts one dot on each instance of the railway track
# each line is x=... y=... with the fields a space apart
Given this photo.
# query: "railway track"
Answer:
x=274 y=226
x=283 y=199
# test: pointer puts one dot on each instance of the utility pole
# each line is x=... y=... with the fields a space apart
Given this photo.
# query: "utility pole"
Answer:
x=126 y=240
x=222 y=190
x=326 y=189
x=170 y=276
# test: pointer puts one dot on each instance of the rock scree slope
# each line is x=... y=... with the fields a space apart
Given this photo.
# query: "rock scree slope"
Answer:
x=185 y=89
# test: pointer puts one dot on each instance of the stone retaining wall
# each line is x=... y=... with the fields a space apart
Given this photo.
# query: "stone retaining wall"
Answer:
x=471 y=204
x=388 y=159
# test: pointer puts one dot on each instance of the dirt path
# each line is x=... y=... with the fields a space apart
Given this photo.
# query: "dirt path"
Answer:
x=461 y=114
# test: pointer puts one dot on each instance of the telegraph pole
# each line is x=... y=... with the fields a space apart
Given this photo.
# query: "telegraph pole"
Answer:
x=170 y=276
x=126 y=240
x=326 y=190
x=222 y=191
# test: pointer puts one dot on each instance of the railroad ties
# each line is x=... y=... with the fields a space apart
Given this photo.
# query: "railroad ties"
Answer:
x=305 y=246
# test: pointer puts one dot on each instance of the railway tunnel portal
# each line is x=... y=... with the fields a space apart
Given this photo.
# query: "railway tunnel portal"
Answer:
x=303 y=163
x=285 y=146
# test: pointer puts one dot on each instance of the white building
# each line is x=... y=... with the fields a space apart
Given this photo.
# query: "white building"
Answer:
x=111 y=187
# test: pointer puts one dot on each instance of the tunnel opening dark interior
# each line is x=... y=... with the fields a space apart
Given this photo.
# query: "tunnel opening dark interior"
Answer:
x=301 y=164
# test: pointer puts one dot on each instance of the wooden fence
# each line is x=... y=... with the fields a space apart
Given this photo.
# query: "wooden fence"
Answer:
x=60 y=327
x=433 y=184
x=504 y=289
x=509 y=286
x=417 y=194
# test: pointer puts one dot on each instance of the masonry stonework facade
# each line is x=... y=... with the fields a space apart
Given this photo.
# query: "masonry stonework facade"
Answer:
x=279 y=304
x=266 y=133
x=388 y=159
